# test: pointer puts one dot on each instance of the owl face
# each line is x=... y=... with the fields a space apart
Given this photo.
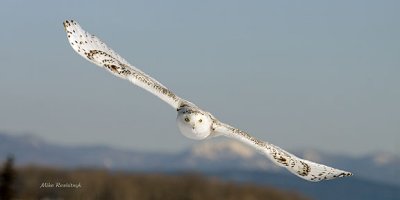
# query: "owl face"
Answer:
x=195 y=125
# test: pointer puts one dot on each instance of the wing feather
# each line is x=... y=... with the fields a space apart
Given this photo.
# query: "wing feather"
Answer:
x=93 y=49
x=305 y=169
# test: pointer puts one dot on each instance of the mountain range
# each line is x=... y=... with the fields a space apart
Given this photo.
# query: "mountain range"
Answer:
x=376 y=175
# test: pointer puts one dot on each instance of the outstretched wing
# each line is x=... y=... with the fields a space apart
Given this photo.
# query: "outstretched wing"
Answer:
x=303 y=168
x=97 y=52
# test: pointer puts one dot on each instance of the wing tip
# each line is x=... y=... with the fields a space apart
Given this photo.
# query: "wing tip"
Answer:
x=338 y=174
x=344 y=174
x=68 y=23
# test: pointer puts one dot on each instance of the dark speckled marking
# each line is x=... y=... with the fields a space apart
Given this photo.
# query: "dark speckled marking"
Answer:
x=277 y=154
x=306 y=169
x=124 y=70
x=114 y=68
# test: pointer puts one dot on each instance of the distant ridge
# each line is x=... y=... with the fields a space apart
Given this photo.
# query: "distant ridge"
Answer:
x=211 y=155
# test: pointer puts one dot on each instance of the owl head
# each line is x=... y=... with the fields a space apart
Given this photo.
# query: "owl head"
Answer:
x=194 y=123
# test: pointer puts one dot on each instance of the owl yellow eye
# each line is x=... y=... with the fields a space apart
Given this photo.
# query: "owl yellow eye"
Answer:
x=187 y=119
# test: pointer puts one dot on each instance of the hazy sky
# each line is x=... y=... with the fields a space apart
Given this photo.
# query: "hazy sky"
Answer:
x=319 y=74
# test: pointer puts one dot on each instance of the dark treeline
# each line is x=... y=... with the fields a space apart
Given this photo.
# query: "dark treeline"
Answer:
x=49 y=183
x=7 y=179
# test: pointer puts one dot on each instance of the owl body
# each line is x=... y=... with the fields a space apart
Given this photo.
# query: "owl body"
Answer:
x=194 y=123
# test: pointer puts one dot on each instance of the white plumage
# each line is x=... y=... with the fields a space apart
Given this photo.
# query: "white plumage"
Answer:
x=192 y=121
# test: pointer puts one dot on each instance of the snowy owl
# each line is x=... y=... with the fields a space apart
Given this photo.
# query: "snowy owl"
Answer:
x=192 y=121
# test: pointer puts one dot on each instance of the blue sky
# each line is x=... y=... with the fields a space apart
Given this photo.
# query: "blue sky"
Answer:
x=319 y=74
